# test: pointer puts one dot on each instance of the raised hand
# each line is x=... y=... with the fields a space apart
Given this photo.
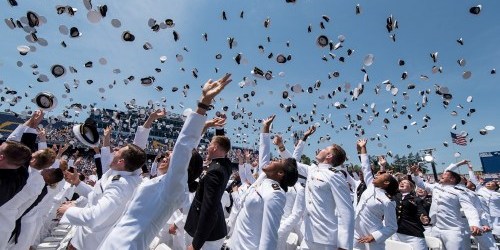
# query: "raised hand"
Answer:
x=216 y=122
x=107 y=136
x=382 y=161
x=361 y=146
x=60 y=151
x=278 y=141
x=42 y=134
x=157 y=114
x=266 y=123
x=309 y=132
x=211 y=89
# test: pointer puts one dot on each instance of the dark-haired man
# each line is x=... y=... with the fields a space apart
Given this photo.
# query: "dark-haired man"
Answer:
x=445 y=213
x=205 y=222
x=263 y=205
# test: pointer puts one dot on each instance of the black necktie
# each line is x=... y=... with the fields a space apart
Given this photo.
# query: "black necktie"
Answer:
x=17 y=230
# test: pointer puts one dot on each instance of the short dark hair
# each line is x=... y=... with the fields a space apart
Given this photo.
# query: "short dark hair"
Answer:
x=455 y=176
x=16 y=153
x=45 y=158
x=393 y=187
x=56 y=175
x=339 y=155
x=291 y=173
x=134 y=157
x=194 y=170
x=223 y=142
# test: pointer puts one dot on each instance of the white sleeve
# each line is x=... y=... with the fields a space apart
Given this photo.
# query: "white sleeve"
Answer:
x=451 y=167
x=106 y=158
x=424 y=185
x=97 y=214
x=342 y=197
x=83 y=189
x=264 y=151
x=42 y=145
x=470 y=211
x=56 y=164
x=274 y=204
x=141 y=136
x=390 y=223
x=297 y=151
x=297 y=211
x=154 y=168
x=285 y=154
x=243 y=173
x=248 y=173
x=365 y=167
x=474 y=179
x=17 y=133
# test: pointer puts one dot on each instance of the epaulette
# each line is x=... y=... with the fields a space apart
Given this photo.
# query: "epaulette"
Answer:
x=333 y=169
x=275 y=186
x=459 y=188
x=116 y=177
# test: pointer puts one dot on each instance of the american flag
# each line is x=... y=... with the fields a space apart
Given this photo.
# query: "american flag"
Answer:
x=459 y=139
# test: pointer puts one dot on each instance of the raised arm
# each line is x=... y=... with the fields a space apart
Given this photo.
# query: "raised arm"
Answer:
x=265 y=143
x=365 y=161
x=418 y=180
x=472 y=176
x=142 y=132
x=295 y=216
x=216 y=122
x=106 y=156
x=454 y=166
x=299 y=148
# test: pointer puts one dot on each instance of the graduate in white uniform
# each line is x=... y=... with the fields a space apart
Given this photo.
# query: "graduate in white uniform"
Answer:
x=295 y=197
x=329 y=215
x=40 y=159
x=375 y=212
x=107 y=200
x=263 y=204
x=445 y=212
x=154 y=202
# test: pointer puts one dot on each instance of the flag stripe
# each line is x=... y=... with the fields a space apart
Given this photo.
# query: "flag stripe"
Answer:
x=459 y=139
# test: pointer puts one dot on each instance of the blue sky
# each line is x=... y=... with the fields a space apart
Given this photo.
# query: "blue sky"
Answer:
x=424 y=27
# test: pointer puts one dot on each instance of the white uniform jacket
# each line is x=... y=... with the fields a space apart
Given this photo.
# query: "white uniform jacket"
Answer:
x=106 y=201
x=16 y=206
x=327 y=191
x=446 y=203
x=258 y=221
x=105 y=204
x=156 y=200
x=375 y=212
x=262 y=207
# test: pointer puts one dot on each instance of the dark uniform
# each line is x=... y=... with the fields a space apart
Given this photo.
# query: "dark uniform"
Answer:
x=205 y=220
x=408 y=211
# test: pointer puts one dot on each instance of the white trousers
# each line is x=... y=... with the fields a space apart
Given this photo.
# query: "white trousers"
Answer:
x=209 y=245
x=416 y=242
x=452 y=239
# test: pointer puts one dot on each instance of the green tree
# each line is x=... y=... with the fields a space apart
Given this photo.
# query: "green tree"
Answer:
x=305 y=160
